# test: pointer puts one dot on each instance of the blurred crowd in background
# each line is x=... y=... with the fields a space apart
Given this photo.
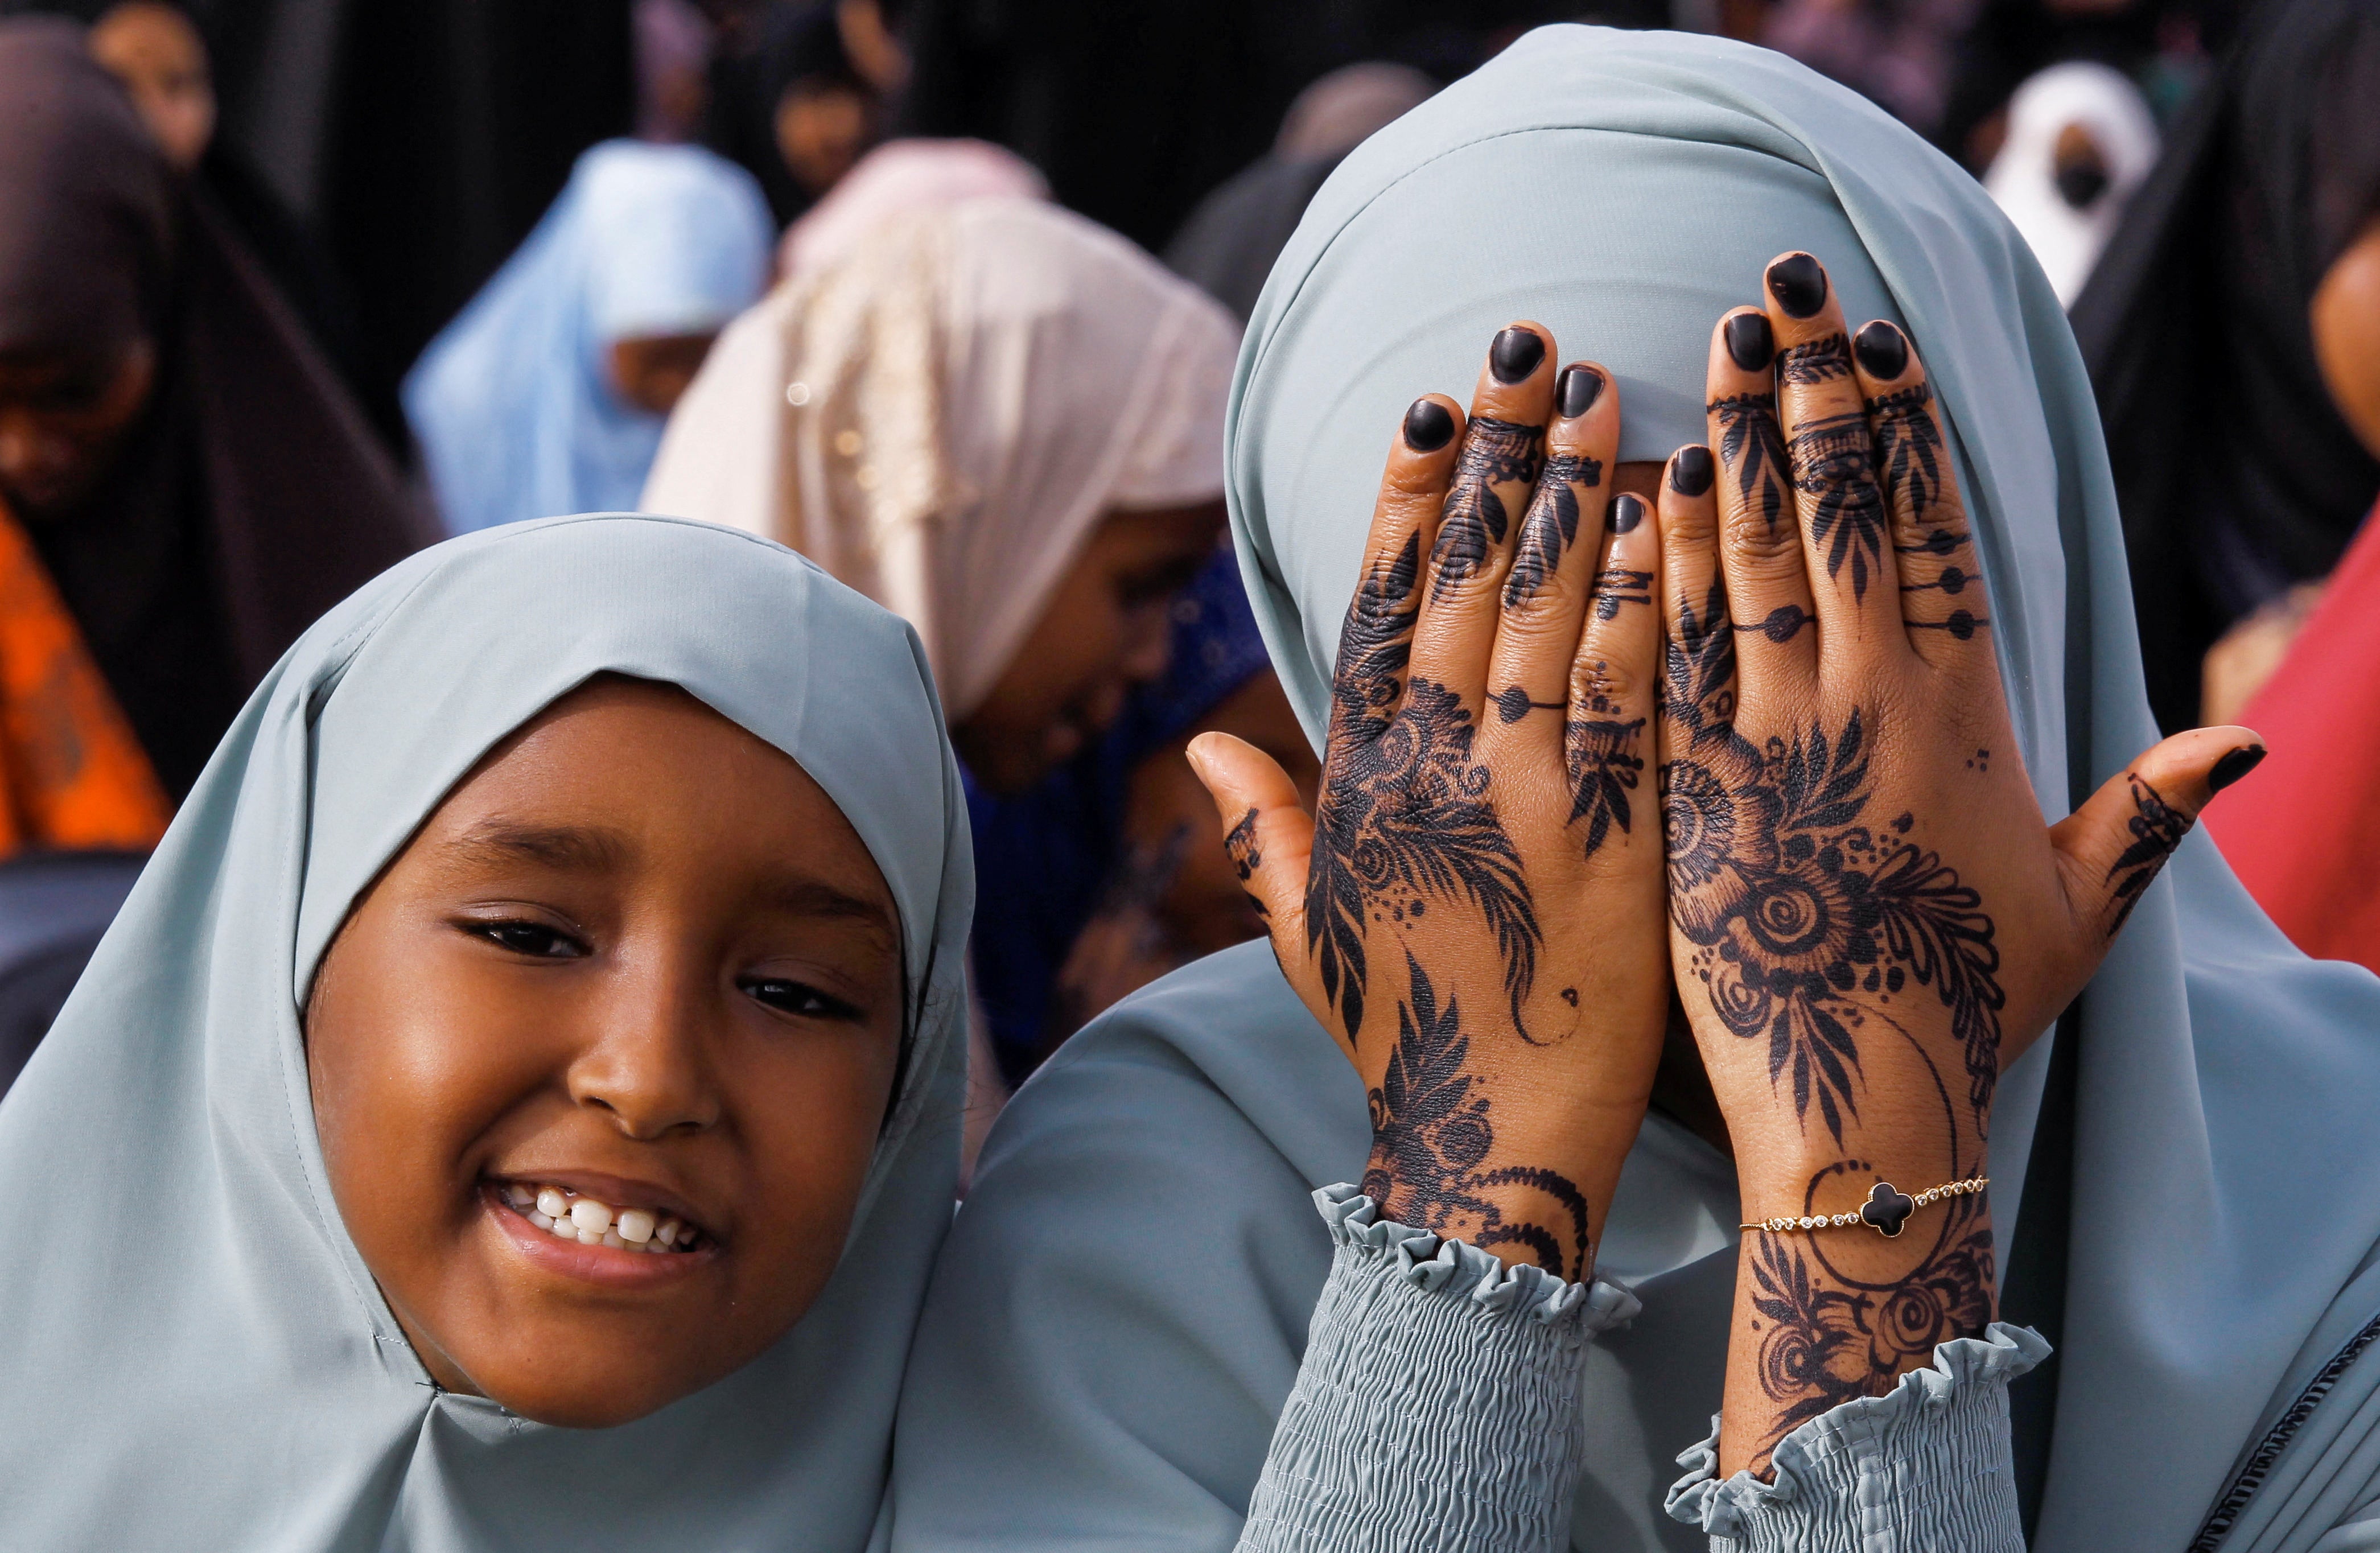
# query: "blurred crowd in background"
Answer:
x=290 y=288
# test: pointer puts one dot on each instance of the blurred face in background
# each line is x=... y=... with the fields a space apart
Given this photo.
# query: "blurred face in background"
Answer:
x=653 y=371
x=2345 y=316
x=1105 y=629
x=64 y=417
x=157 y=53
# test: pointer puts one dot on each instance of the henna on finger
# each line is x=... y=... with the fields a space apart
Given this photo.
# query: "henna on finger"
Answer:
x=1550 y=524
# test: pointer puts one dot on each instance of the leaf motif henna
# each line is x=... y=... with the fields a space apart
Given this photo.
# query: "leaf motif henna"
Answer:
x=1816 y=361
x=1833 y=462
x=1698 y=670
x=1433 y=1133
x=1472 y=520
x=1240 y=846
x=1806 y=919
x=1751 y=444
x=2157 y=828
x=1550 y=524
x=1604 y=763
x=1909 y=441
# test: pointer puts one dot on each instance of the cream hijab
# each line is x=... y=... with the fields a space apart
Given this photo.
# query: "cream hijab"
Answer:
x=940 y=416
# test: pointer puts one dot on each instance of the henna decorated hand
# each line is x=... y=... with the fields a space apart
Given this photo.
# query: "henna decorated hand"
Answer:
x=1869 y=917
x=1475 y=911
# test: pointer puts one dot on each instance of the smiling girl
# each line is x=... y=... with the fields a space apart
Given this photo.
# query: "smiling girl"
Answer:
x=521 y=886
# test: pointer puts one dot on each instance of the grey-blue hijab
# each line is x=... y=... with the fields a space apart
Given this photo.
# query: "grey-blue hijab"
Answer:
x=194 y=1354
x=2196 y=1228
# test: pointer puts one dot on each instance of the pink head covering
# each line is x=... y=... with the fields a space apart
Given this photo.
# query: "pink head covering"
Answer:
x=899 y=176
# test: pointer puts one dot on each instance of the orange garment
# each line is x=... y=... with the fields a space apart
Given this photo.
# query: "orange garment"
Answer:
x=72 y=773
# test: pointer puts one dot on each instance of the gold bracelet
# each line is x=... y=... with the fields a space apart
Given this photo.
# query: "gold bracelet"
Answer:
x=1886 y=1210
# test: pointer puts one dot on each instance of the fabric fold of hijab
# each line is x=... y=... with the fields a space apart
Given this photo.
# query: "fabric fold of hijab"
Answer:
x=513 y=403
x=940 y=418
x=2269 y=174
x=2164 y=1221
x=250 y=496
x=213 y=1366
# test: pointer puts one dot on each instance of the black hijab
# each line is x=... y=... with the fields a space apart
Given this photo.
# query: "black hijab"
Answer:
x=249 y=497
x=2236 y=473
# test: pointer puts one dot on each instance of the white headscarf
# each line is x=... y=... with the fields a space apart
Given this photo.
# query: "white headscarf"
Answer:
x=2103 y=104
x=195 y=1354
x=941 y=417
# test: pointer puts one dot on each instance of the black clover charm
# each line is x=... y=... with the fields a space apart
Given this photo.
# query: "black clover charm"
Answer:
x=1887 y=1210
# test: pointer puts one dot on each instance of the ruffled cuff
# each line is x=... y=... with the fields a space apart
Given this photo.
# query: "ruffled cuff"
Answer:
x=1927 y=1464
x=1457 y=1269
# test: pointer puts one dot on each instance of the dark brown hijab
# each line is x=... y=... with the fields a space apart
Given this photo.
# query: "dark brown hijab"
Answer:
x=250 y=497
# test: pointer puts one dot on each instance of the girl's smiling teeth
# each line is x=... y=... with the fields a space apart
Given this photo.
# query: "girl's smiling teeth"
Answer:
x=572 y=1216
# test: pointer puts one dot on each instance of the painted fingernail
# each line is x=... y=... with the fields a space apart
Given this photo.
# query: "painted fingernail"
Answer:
x=1578 y=390
x=2234 y=765
x=1882 y=350
x=1749 y=341
x=1690 y=470
x=1515 y=353
x=1798 y=283
x=1627 y=512
x=1427 y=426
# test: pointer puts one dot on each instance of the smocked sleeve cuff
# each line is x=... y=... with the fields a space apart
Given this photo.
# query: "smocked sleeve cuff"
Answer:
x=1438 y=1406
x=1927 y=1464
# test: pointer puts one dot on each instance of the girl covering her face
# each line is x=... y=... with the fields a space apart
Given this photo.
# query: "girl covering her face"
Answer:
x=518 y=879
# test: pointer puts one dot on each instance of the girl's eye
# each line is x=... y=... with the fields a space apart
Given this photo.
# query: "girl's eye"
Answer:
x=533 y=939
x=800 y=998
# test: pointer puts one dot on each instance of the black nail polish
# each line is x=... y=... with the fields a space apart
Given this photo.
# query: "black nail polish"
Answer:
x=1749 y=341
x=1627 y=512
x=1798 y=283
x=1690 y=470
x=1427 y=426
x=1882 y=350
x=2234 y=765
x=1576 y=390
x=1515 y=353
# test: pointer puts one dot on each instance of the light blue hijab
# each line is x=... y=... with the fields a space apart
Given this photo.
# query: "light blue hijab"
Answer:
x=1118 y=1315
x=194 y=1354
x=513 y=403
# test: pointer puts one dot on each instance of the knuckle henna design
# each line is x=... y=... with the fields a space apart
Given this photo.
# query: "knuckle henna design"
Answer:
x=1472 y=520
x=1909 y=444
x=2156 y=828
x=1750 y=444
x=1834 y=465
x=1551 y=525
x=1433 y=1133
x=1808 y=922
x=1615 y=586
x=1816 y=361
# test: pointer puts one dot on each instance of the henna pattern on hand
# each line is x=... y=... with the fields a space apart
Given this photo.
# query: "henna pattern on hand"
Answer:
x=1550 y=524
x=1807 y=921
x=1240 y=846
x=1615 y=586
x=1834 y=463
x=2157 y=828
x=1814 y=361
x=1909 y=441
x=1751 y=444
x=1431 y=1133
x=1698 y=670
x=1473 y=519
x=1825 y=1338
x=1600 y=751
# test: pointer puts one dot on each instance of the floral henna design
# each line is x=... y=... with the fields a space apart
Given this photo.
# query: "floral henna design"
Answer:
x=1472 y=520
x=1825 y=1338
x=1404 y=813
x=1432 y=1133
x=1808 y=923
x=1834 y=464
x=2157 y=828
x=1698 y=670
x=1750 y=444
x=1601 y=752
x=1910 y=443
x=1551 y=525
x=1240 y=846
